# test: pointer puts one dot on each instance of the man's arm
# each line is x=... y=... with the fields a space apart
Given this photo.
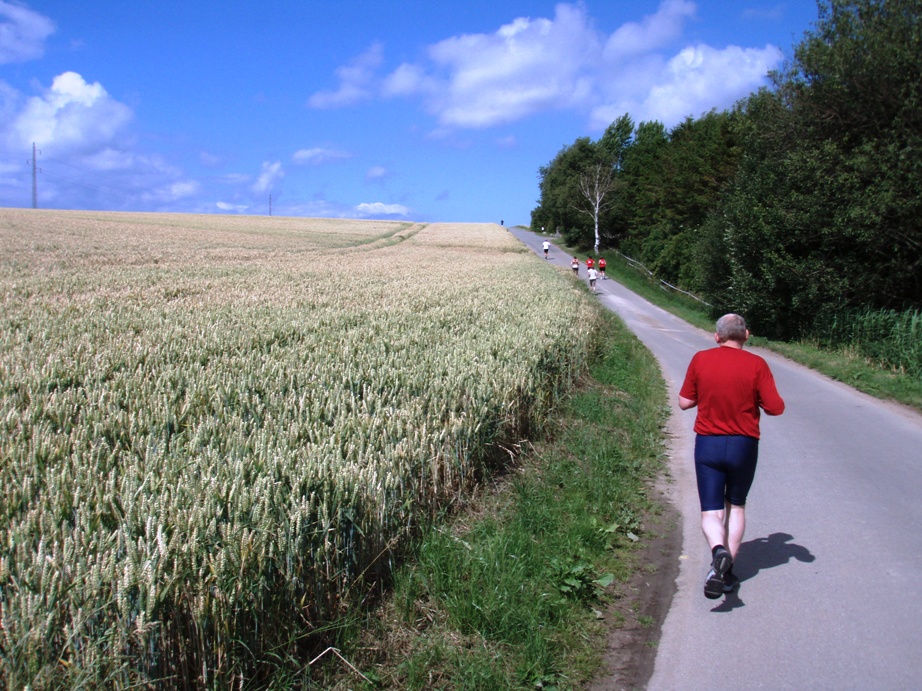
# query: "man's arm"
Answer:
x=686 y=403
x=769 y=399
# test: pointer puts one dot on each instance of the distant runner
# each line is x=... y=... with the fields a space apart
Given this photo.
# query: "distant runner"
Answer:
x=575 y=266
x=592 y=277
x=602 y=267
x=547 y=247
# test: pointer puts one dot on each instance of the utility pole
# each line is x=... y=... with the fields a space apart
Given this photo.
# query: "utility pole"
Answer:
x=270 y=204
x=34 y=179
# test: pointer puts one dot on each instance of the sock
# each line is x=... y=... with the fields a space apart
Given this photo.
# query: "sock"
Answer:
x=716 y=547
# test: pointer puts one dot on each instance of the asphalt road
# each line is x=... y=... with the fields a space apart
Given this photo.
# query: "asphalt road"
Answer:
x=832 y=557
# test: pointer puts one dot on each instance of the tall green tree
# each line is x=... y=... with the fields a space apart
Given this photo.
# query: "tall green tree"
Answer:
x=672 y=180
x=581 y=183
x=615 y=142
x=641 y=203
x=856 y=89
x=560 y=194
x=825 y=211
x=703 y=158
x=614 y=146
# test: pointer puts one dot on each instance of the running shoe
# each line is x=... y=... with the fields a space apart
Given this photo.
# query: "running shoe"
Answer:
x=731 y=581
x=714 y=583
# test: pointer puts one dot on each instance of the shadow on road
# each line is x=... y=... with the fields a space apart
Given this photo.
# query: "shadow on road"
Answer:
x=767 y=553
x=759 y=554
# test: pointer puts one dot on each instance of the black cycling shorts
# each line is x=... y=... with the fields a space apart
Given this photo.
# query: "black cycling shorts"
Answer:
x=725 y=466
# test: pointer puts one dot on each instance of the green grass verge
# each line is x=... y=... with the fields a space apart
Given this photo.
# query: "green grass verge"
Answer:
x=509 y=594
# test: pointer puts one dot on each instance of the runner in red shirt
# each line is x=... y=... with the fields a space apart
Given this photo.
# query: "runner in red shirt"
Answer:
x=589 y=263
x=602 y=267
x=730 y=387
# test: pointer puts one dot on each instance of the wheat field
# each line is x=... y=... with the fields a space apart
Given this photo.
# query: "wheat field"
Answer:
x=217 y=431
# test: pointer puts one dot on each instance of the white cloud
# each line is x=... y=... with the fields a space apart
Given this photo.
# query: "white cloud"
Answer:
x=165 y=195
x=236 y=178
x=693 y=82
x=481 y=80
x=107 y=159
x=699 y=75
x=271 y=173
x=534 y=65
x=654 y=32
x=11 y=177
x=235 y=208
x=210 y=160
x=184 y=189
x=10 y=102
x=376 y=173
x=22 y=33
x=355 y=81
x=86 y=151
x=367 y=210
x=408 y=80
x=316 y=208
x=70 y=116
x=318 y=156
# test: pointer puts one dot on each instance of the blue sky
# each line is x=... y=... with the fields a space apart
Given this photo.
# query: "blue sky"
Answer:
x=428 y=110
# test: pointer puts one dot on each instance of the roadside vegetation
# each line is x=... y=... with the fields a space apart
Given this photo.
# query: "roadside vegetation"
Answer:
x=521 y=587
x=844 y=361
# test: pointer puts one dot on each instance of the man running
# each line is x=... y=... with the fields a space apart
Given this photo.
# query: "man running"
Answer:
x=730 y=386
x=547 y=247
x=575 y=266
x=602 y=267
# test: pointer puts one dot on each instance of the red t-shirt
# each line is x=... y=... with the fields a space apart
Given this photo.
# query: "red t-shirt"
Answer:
x=589 y=263
x=731 y=386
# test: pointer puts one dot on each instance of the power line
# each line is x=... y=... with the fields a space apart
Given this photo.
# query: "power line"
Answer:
x=93 y=181
x=91 y=188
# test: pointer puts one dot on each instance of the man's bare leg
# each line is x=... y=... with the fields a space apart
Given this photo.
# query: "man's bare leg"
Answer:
x=714 y=528
x=714 y=525
x=736 y=526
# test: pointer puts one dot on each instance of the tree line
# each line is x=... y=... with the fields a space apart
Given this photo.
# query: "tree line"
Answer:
x=802 y=201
